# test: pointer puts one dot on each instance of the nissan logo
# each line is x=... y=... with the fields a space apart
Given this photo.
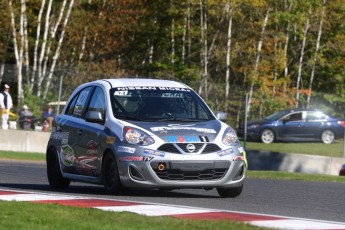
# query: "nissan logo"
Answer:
x=190 y=148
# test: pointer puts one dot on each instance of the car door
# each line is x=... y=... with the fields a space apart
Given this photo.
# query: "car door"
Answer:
x=315 y=123
x=292 y=125
x=70 y=125
x=90 y=136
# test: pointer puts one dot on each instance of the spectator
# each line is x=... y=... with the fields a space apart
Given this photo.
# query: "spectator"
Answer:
x=26 y=118
x=48 y=115
x=5 y=105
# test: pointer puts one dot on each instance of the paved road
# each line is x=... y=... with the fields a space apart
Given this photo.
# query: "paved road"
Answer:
x=314 y=200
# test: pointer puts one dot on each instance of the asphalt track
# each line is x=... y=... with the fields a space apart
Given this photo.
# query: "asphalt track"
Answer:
x=296 y=199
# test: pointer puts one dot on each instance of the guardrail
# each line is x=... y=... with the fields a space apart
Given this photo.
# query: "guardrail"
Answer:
x=36 y=141
x=23 y=140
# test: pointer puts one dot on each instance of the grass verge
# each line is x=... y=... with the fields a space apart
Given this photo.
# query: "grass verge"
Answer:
x=275 y=175
x=33 y=216
x=335 y=149
x=10 y=155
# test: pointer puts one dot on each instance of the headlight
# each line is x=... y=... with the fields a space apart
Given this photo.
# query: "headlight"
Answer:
x=229 y=137
x=136 y=136
x=253 y=126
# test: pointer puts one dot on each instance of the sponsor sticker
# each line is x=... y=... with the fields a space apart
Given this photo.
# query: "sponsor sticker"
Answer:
x=154 y=152
x=225 y=152
x=67 y=155
x=63 y=136
x=181 y=128
x=182 y=139
x=151 y=88
x=131 y=158
x=146 y=158
x=125 y=149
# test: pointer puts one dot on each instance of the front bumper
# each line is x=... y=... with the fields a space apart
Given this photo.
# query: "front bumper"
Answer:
x=183 y=171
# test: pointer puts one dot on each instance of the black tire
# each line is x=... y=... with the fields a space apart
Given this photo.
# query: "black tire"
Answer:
x=230 y=192
x=267 y=136
x=327 y=136
x=55 y=178
x=111 y=178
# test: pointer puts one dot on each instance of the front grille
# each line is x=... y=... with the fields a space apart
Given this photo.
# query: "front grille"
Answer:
x=181 y=148
x=192 y=170
x=169 y=148
x=176 y=174
x=210 y=148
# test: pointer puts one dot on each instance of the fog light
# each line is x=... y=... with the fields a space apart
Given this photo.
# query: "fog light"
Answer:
x=161 y=167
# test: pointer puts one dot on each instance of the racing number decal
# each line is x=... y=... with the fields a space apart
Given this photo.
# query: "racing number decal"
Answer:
x=204 y=139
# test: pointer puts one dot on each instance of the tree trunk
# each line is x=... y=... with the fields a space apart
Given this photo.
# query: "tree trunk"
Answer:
x=57 y=51
x=40 y=76
x=306 y=28
x=203 y=51
x=38 y=35
x=316 y=53
x=228 y=54
x=257 y=60
x=18 y=51
x=172 y=40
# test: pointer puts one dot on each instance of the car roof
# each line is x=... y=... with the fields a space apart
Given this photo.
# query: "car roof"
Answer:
x=144 y=82
x=299 y=110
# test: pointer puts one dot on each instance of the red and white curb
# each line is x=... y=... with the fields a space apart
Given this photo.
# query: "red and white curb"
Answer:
x=150 y=209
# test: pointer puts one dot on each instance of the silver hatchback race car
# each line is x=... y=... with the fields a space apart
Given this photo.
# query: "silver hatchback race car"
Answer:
x=143 y=133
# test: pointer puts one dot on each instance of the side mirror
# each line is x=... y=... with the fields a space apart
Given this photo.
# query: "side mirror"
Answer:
x=94 y=116
x=221 y=116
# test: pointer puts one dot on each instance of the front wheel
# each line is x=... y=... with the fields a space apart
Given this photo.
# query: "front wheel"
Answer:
x=111 y=179
x=230 y=192
x=327 y=136
x=267 y=136
x=55 y=178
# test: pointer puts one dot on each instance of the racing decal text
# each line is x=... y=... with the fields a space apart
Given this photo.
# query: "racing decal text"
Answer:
x=173 y=128
x=131 y=158
x=225 y=152
x=154 y=152
x=174 y=139
x=125 y=149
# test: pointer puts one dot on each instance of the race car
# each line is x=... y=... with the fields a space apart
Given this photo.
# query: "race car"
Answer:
x=143 y=133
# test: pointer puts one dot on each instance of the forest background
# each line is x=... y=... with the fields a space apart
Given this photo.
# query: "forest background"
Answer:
x=276 y=53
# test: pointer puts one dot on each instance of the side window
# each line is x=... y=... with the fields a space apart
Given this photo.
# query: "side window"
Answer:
x=97 y=102
x=316 y=116
x=294 y=117
x=69 y=111
x=79 y=102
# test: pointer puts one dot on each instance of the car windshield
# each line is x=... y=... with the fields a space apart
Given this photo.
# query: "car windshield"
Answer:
x=158 y=104
x=277 y=115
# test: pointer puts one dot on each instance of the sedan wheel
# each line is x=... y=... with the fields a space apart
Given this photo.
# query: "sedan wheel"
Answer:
x=55 y=178
x=267 y=136
x=112 y=183
x=327 y=137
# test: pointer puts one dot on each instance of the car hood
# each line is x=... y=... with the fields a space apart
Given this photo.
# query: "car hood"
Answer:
x=205 y=131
